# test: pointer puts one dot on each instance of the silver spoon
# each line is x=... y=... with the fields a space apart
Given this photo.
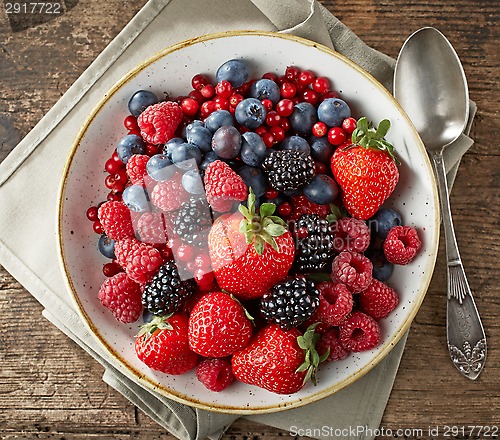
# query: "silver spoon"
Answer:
x=430 y=85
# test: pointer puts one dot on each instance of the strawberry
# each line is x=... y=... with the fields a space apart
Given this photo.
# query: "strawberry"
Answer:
x=218 y=326
x=162 y=344
x=250 y=252
x=281 y=361
x=366 y=170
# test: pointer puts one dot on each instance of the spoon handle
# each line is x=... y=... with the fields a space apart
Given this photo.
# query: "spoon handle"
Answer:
x=465 y=333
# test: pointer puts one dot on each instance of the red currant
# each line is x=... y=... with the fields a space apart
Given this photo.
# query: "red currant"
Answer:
x=235 y=99
x=196 y=95
x=92 y=213
x=268 y=104
x=208 y=91
x=310 y=96
x=224 y=89
x=111 y=183
x=292 y=73
x=260 y=130
x=111 y=269
x=206 y=108
x=336 y=136
x=151 y=149
x=284 y=107
x=268 y=139
x=319 y=167
x=271 y=194
x=270 y=75
x=319 y=129
x=349 y=125
x=329 y=94
x=130 y=123
x=285 y=124
x=114 y=196
x=190 y=106
x=184 y=253
x=203 y=261
x=273 y=118
x=112 y=166
x=115 y=157
x=306 y=77
x=198 y=81
x=98 y=229
x=136 y=132
x=321 y=84
x=285 y=209
x=221 y=103
x=288 y=90
x=278 y=133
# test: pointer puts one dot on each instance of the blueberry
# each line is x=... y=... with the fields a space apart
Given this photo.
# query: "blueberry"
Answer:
x=383 y=220
x=140 y=100
x=170 y=145
x=250 y=112
x=303 y=117
x=226 y=142
x=382 y=269
x=293 y=192
x=253 y=149
x=186 y=156
x=160 y=167
x=265 y=89
x=194 y=123
x=200 y=136
x=333 y=111
x=130 y=145
x=234 y=71
x=296 y=143
x=255 y=178
x=207 y=159
x=136 y=198
x=321 y=190
x=321 y=149
x=218 y=119
x=192 y=183
x=106 y=246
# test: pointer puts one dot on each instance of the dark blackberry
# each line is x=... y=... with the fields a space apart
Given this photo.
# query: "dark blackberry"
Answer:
x=314 y=244
x=192 y=222
x=288 y=169
x=290 y=303
x=166 y=292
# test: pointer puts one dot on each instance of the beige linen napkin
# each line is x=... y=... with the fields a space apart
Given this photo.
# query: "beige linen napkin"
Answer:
x=30 y=179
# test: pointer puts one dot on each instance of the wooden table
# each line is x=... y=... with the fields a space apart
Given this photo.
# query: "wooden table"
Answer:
x=49 y=388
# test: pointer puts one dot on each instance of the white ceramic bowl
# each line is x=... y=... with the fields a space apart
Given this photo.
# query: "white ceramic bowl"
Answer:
x=171 y=70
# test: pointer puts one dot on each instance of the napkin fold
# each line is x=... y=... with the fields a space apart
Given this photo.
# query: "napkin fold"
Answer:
x=30 y=178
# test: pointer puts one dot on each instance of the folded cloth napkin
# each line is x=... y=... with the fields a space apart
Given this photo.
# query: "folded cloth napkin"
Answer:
x=30 y=178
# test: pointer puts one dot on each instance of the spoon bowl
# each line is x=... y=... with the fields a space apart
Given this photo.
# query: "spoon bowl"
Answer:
x=432 y=88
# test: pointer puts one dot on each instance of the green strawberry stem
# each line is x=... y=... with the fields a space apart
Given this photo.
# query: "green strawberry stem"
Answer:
x=247 y=313
x=312 y=359
x=261 y=228
x=157 y=323
x=366 y=136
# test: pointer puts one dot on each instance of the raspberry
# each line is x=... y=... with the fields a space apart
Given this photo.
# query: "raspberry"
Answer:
x=330 y=340
x=122 y=296
x=223 y=186
x=215 y=374
x=359 y=333
x=136 y=168
x=335 y=303
x=169 y=195
x=301 y=205
x=401 y=245
x=140 y=260
x=151 y=228
x=115 y=220
x=351 y=234
x=353 y=269
x=378 y=300
x=159 y=122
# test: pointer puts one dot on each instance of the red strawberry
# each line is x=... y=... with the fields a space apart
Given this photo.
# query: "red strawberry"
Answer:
x=159 y=122
x=223 y=186
x=218 y=326
x=250 y=253
x=366 y=170
x=276 y=359
x=162 y=345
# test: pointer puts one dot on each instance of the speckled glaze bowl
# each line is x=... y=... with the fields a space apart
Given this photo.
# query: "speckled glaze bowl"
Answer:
x=171 y=71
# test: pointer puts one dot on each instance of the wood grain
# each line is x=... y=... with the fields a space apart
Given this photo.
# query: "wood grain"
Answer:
x=42 y=397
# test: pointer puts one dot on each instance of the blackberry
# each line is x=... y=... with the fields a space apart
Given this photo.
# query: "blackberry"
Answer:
x=288 y=169
x=314 y=244
x=192 y=222
x=166 y=292
x=290 y=303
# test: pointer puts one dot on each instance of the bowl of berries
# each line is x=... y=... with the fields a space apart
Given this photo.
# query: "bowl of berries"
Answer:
x=248 y=222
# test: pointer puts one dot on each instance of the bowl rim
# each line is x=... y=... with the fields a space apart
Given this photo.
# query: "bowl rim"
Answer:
x=132 y=373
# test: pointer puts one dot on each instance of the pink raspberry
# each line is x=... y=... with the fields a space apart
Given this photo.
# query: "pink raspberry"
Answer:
x=159 y=122
x=122 y=297
x=353 y=269
x=401 y=245
x=215 y=374
x=223 y=186
x=378 y=299
x=330 y=340
x=116 y=220
x=151 y=228
x=359 y=332
x=335 y=303
x=136 y=168
x=351 y=234
x=169 y=195
x=139 y=260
